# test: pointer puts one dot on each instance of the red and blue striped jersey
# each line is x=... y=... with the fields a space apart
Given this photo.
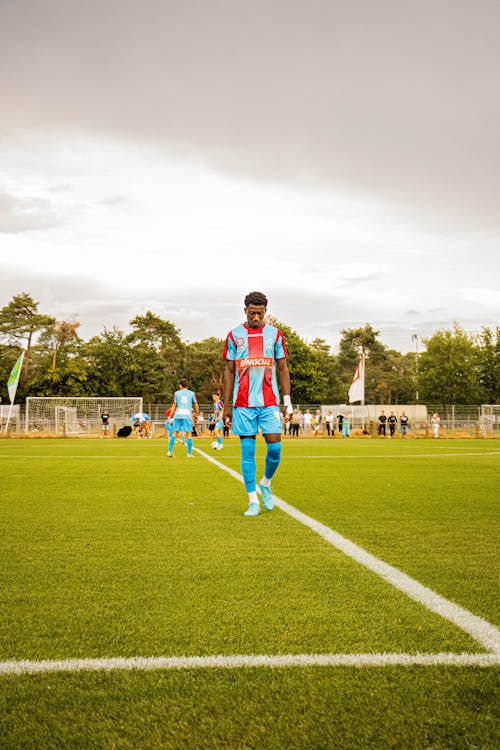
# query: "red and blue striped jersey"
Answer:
x=218 y=410
x=255 y=351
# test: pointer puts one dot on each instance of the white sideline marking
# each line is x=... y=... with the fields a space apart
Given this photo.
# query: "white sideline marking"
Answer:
x=278 y=661
x=482 y=631
x=122 y=457
x=401 y=455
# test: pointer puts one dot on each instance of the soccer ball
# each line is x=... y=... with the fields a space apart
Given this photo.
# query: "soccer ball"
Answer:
x=214 y=445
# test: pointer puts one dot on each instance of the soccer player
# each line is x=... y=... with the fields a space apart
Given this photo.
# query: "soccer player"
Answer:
x=182 y=411
x=218 y=421
x=253 y=352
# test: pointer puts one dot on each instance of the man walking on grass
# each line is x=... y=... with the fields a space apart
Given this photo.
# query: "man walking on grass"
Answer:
x=255 y=352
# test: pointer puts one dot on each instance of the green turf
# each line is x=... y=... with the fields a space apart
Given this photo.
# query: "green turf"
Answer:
x=109 y=549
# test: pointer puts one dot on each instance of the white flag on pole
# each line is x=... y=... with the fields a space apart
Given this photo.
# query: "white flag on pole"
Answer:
x=14 y=378
x=357 y=389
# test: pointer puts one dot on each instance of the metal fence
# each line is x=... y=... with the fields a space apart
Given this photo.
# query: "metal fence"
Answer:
x=455 y=420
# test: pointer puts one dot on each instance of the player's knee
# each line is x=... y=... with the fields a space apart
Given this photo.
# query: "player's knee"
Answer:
x=274 y=451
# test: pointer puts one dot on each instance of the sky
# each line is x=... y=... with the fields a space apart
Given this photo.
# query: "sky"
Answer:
x=342 y=157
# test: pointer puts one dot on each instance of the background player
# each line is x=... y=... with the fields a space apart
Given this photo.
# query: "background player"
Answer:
x=254 y=350
x=218 y=421
x=182 y=411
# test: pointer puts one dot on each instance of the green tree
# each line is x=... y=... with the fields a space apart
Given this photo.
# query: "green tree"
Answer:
x=20 y=321
x=448 y=369
x=160 y=335
x=488 y=350
x=158 y=356
x=69 y=379
x=108 y=357
x=308 y=378
x=326 y=361
x=204 y=367
x=65 y=332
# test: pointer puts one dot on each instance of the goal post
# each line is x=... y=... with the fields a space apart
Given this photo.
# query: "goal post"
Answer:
x=78 y=416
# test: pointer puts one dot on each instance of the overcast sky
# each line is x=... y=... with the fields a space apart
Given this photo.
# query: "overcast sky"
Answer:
x=342 y=157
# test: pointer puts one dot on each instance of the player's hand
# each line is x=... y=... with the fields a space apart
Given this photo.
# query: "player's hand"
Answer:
x=227 y=414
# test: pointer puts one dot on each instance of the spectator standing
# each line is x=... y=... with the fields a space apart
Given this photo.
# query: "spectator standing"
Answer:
x=393 y=420
x=381 y=426
x=307 y=423
x=330 y=425
x=105 y=423
x=403 y=424
x=346 y=426
x=318 y=421
x=435 y=424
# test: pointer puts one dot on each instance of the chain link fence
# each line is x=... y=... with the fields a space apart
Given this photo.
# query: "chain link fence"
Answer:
x=322 y=421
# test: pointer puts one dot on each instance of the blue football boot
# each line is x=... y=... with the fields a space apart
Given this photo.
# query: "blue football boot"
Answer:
x=267 y=497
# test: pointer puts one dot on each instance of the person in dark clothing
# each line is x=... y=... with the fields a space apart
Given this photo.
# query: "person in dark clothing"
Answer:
x=393 y=420
x=381 y=427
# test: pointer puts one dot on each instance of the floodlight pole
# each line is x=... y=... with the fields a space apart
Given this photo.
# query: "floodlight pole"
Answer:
x=415 y=339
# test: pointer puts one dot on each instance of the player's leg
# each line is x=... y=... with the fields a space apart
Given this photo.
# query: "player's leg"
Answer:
x=245 y=426
x=270 y=422
x=219 y=429
x=171 y=443
x=189 y=442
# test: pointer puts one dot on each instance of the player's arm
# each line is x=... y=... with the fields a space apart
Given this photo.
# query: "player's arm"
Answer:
x=195 y=406
x=172 y=410
x=228 y=386
x=285 y=386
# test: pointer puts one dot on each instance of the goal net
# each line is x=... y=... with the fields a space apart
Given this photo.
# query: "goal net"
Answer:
x=78 y=416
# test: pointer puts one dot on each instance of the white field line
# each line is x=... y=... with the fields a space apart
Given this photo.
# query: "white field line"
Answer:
x=278 y=661
x=398 y=455
x=122 y=457
x=482 y=631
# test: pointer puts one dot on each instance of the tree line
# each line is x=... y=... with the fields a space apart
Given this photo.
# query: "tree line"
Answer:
x=149 y=359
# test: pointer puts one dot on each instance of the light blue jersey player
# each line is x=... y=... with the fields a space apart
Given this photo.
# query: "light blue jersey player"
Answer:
x=182 y=411
x=218 y=421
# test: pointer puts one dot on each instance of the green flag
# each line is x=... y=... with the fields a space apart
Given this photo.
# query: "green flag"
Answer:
x=14 y=378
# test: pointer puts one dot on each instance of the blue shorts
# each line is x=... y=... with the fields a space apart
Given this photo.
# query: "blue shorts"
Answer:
x=182 y=425
x=219 y=424
x=246 y=421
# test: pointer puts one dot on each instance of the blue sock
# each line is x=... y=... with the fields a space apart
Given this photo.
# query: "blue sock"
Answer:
x=190 y=446
x=248 y=464
x=171 y=443
x=219 y=440
x=273 y=458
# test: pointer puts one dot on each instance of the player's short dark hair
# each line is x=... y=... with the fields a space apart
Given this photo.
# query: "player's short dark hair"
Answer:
x=255 y=298
x=183 y=382
x=215 y=393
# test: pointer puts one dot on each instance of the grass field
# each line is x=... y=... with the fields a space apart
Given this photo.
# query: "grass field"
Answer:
x=109 y=551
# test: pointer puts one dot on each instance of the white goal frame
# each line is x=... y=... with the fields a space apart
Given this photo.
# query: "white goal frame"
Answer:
x=78 y=416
